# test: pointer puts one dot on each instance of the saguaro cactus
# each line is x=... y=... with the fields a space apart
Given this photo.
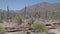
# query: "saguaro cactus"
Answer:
x=7 y=13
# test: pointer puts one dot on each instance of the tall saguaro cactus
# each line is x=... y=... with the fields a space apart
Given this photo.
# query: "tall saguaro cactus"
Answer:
x=46 y=14
x=3 y=15
x=7 y=13
x=24 y=11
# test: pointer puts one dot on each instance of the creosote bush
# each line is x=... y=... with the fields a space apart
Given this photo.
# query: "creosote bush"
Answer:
x=38 y=27
x=2 y=30
x=18 y=19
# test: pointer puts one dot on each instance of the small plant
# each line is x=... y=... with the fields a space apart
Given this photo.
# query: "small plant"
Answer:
x=1 y=21
x=30 y=21
x=18 y=19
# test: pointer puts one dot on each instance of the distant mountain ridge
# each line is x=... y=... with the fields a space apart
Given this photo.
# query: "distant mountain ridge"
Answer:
x=43 y=7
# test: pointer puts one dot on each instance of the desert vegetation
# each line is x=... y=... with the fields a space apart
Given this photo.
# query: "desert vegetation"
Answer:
x=38 y=27
x=2 y=30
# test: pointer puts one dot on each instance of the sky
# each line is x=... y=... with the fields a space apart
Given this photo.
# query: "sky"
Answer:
x=19 y=4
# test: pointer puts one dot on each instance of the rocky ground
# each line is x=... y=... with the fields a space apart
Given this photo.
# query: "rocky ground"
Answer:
x=56 y=31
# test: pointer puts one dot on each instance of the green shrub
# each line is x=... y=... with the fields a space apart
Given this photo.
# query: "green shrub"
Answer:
x=31 y=21
x=18 y=19
x=38 y=27
x=2 y=30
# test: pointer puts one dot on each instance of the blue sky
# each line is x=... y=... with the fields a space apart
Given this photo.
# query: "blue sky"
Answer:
x=19 y=4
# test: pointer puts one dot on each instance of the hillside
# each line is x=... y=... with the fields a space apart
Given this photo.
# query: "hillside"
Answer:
x=49 y=10
x=43 y=7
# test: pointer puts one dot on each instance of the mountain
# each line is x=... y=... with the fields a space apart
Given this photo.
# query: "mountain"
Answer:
x=43 y=7
x=44 y=10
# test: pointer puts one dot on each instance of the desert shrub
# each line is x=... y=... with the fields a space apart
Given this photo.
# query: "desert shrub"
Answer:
x=2 y=30
x=38 y=27
x=31 y=21
x=1 y=21
x=18 y=19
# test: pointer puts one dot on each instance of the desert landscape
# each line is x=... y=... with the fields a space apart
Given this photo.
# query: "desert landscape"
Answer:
x=39 y=18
